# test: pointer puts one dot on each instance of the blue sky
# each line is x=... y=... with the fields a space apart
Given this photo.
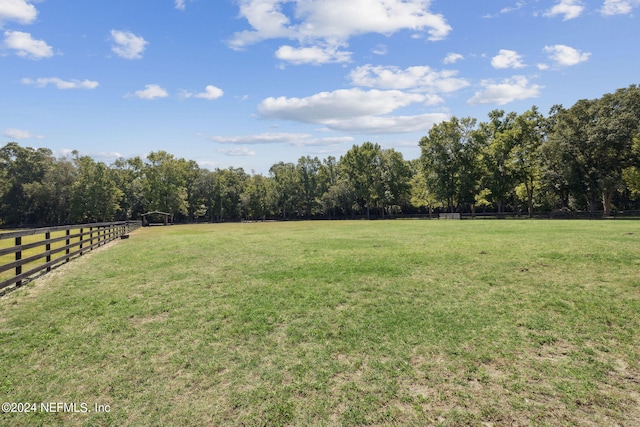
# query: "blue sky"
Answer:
x=247 y=83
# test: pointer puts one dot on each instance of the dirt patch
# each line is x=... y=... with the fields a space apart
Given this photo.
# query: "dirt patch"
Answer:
x=138 y=321
x=628 y=390
x=556 y=352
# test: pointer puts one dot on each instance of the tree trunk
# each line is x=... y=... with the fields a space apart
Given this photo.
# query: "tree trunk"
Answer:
x=529 y=188
x=607 y=196
x=592 y=203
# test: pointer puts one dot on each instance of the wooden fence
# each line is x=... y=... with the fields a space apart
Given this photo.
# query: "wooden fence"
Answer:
x=45 y=248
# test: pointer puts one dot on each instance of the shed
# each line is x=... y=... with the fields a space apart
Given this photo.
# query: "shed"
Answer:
x=148 y=217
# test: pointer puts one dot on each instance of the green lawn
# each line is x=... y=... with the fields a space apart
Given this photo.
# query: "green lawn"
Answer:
x=335 y=323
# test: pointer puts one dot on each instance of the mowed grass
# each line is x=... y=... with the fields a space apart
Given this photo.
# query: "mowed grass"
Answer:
x=336 y=323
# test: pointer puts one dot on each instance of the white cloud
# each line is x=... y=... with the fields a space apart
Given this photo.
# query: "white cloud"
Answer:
x=237 y=151
x=315 y=55
x=180 y=4
x=421 y=78
x=452 y=58
x=509 y=90
x=343 y=19
x=507 y=59
x=105 y=156
x=15 y=133
x=344 y=103
x=380 y=49
x=151 y=92
x=26 y=46
x=20 y=11
x=61 y=84
x=267 y=21
x=433 y=100
x=296 y=139
x=327 y=141
x=210 y=93
x=262 y=138
x=566 y=56
x=387 y=124
x=329 y=24
x=570 y=9
x=619 y=7
x=509 y=9
x=519 y=5
x=100 y=156
x=208 y=164
x=128 y=45
x=352 y=110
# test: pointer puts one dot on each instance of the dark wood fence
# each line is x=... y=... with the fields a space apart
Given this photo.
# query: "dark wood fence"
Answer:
x=47 y=247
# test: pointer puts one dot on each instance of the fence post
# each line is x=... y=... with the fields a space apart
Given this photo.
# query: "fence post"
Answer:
x=91 y=238
x=68 y=243
x=18 y=242
x=81 y=240
x=47 y=236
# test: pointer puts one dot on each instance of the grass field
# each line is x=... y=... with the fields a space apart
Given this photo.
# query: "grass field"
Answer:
x=335 y=323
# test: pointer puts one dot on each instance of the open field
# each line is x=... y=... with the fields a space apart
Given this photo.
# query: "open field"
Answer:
x=335 y=323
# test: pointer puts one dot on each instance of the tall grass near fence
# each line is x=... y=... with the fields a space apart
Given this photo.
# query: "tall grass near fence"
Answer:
x=336 y=323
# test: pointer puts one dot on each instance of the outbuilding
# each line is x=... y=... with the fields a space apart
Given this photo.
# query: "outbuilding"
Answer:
x=148 y=218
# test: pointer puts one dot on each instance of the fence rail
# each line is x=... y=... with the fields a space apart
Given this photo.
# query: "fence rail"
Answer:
x=52 y=246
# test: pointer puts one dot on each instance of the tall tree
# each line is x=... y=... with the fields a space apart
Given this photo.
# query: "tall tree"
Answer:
x=308 y=169
x=286 y=190
x=525 y=138
x=595 y=140
x=229 y=186
x=165 y=182
x=328 y=177
x=21 y=167
x=127 y=174
x=498 y=178
x=394 y=175
x=617 y=123
x=205 y=193
x=420 y=194
x=254 y=198
x=361 y=166
x=574 y=156
x=450 y=156
x=631 y=174
x=95 y=194
x=54 y=194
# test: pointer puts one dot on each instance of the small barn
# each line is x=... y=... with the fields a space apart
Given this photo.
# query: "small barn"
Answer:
x=156 y=218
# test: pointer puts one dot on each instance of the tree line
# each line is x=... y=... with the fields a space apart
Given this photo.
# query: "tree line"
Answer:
x=586 y=157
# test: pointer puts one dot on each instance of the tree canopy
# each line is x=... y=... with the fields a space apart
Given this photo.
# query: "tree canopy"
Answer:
x=585 y=157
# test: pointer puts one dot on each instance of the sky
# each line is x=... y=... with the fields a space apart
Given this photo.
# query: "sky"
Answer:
x=249 y=83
